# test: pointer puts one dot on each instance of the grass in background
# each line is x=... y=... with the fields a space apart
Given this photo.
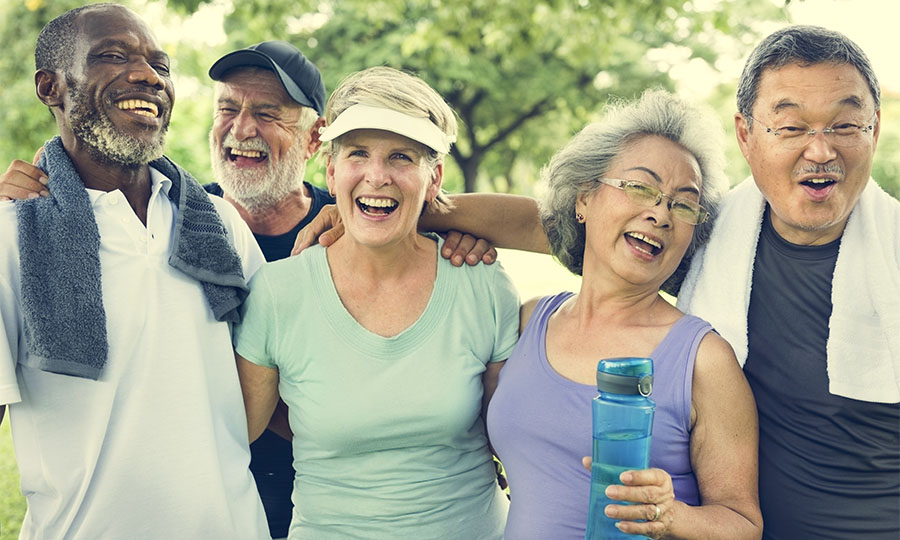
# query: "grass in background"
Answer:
x=12 y=504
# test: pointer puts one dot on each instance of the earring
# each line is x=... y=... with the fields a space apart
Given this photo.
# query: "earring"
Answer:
x=579 y=217
x=321 y=130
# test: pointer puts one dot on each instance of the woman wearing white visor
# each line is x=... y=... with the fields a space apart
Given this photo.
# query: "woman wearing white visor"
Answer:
x=377 y=344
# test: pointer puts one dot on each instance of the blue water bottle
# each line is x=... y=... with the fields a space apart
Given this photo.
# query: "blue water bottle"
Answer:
x=623 y=419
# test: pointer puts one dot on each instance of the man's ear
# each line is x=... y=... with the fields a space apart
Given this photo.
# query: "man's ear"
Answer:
x=742 y=131
x=877 y=129
x=315 y=142
x=49 y=87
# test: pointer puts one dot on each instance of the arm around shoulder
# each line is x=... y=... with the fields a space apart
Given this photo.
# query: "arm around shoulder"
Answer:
x=506 y=221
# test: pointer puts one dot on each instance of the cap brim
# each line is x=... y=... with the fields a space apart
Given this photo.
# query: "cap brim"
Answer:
x=251 y=58
x=361 y=116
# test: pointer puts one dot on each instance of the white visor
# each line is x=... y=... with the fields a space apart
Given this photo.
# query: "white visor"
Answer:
x=361 y=116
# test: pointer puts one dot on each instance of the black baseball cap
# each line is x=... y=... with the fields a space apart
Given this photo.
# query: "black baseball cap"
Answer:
x=300 y=77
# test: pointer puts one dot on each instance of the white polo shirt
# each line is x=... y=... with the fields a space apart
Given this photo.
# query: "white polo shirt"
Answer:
x=157 y=447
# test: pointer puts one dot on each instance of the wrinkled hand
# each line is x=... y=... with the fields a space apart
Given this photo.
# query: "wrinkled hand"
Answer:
x=23 y=181
x=324 y=229
x=459 y=247
x=647 y=490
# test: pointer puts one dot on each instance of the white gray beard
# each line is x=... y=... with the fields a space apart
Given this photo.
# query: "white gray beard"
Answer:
x=105 y=142
x=258 y=190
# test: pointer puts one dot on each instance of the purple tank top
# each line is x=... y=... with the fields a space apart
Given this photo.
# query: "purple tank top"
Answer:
x=540 y=425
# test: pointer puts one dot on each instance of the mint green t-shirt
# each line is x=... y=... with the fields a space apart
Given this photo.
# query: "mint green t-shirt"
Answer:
x=389 y=442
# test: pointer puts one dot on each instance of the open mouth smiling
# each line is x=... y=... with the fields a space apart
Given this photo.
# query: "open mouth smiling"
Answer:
x=643 y=243
x=818 y=183
x=376 y=206
x=233 y=154
x=139 y=107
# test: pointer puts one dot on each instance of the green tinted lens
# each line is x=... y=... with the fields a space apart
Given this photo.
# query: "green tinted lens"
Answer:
x=642 y=193
x=686 y=211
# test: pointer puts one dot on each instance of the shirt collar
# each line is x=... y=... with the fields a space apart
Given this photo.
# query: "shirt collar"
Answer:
x=158 y=182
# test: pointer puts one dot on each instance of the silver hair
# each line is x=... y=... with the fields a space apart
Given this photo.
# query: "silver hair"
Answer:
x=806 y=46
x=589 y=155
x=259 y=190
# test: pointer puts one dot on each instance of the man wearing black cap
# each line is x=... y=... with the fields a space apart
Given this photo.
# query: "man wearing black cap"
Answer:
x=269 y=100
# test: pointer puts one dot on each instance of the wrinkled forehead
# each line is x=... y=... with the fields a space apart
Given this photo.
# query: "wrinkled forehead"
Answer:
x=253 y=82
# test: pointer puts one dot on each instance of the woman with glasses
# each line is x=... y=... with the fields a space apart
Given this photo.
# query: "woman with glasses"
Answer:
x=628 y=201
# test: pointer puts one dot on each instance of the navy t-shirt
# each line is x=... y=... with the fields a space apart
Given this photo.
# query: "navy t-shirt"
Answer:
x=829 y=466
x=271 y=457
x=279 y=247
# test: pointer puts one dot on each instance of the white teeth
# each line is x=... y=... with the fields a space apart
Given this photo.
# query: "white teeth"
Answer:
x=819 y=180
x=246 y=153
x=643 y=238
x=139 y=106
x=378 y=203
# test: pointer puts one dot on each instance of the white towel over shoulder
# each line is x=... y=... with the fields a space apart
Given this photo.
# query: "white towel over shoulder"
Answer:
x=864 y=338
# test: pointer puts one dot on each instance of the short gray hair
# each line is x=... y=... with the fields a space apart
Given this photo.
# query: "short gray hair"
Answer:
x=588 y=155
x=806 y=46
x=56 y=43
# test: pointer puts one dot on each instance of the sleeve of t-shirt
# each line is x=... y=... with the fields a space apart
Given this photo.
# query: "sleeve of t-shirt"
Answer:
x=254 y=337
x=9 y=329
x=506 y=314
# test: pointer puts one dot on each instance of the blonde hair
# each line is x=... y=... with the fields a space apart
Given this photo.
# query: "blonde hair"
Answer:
x=390 y=88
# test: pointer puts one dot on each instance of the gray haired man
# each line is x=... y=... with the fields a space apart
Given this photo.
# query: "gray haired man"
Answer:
x=802 y=277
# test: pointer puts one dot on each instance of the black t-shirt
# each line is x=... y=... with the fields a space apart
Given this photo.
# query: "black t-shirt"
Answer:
x=271 y=457
x=829 y=466
x=278 y=247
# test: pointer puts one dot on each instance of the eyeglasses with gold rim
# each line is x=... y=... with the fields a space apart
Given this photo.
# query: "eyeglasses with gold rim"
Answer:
x=647 y=195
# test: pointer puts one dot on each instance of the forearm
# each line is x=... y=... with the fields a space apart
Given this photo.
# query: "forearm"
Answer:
x=712 y=522
x=506 y=221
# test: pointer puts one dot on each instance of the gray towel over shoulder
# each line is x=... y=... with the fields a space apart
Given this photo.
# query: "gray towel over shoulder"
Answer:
x=59 y=245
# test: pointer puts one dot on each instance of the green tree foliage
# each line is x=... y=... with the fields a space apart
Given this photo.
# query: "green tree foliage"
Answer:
x=886 y=168
x=25 y=122
x=523 y=75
